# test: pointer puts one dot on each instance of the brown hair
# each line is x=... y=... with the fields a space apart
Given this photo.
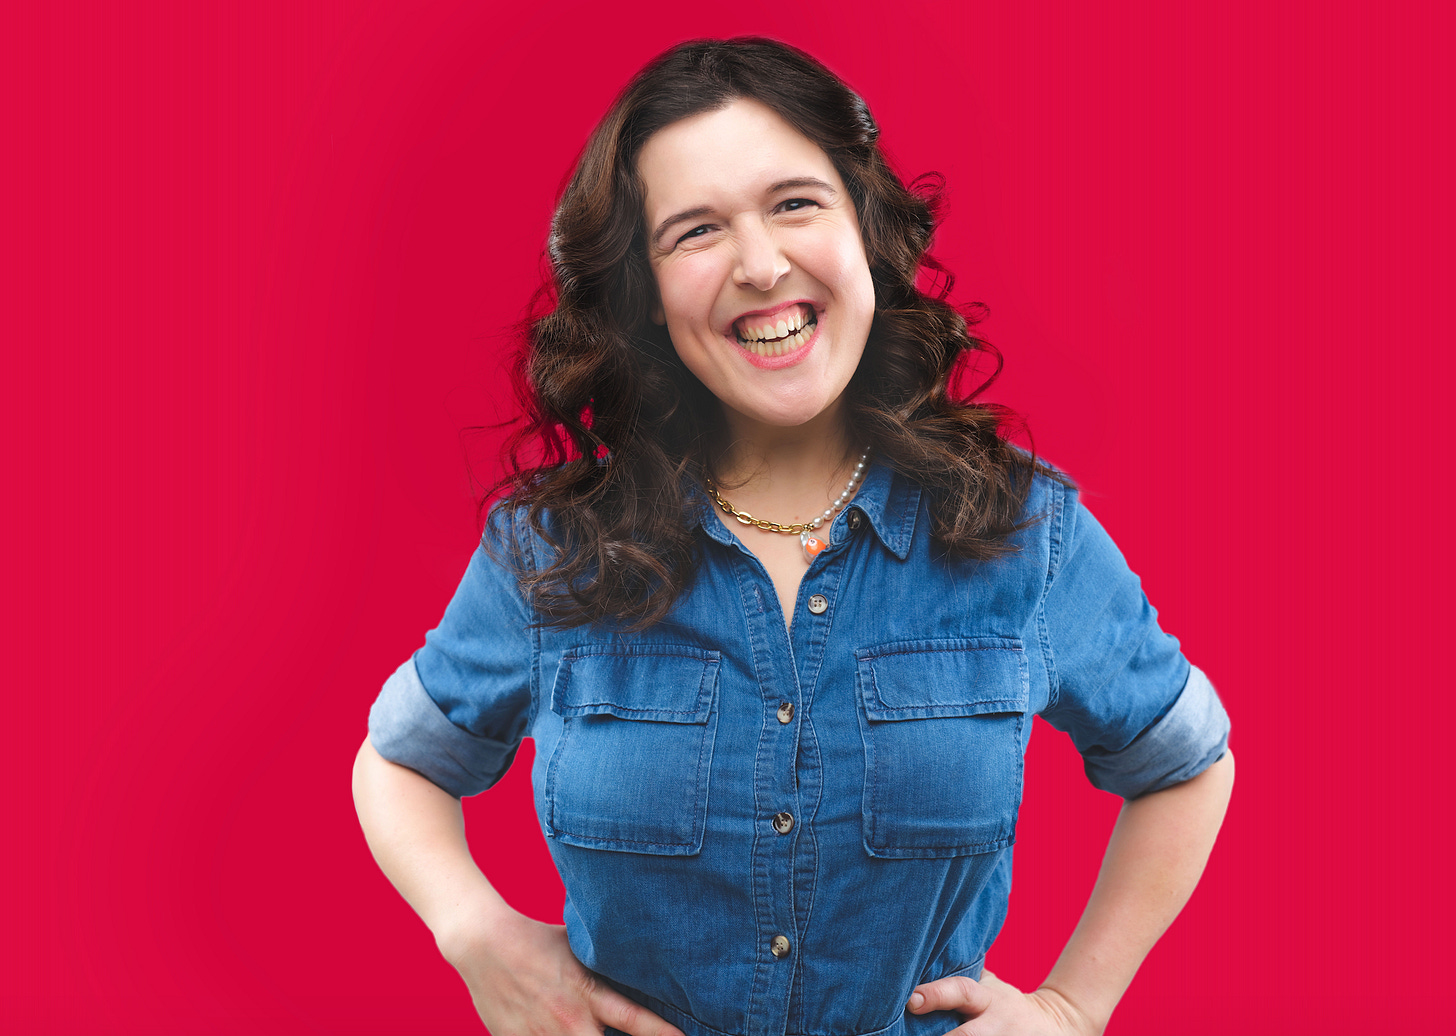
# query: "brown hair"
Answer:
x=619 y=429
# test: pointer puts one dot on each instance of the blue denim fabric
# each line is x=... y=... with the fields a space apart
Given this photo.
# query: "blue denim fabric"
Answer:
x=662 y=758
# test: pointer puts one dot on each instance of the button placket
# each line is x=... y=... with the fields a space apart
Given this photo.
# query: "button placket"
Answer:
x=778 y=862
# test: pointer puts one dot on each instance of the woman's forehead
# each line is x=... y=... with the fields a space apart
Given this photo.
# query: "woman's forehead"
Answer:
x=738 y=152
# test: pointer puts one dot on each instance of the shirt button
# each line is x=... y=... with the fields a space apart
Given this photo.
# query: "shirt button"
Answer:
x=818 y=603
x=855 y=520
x=779 y=947
x=783 y=823
x=786 y=712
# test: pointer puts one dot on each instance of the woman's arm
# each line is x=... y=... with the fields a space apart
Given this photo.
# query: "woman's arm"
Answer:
x=521 y=973
x=1154 y=859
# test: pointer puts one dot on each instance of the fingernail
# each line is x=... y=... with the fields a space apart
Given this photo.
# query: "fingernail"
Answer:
x=917 y=1000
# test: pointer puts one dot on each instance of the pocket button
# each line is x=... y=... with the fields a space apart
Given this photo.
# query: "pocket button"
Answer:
x=818 y=603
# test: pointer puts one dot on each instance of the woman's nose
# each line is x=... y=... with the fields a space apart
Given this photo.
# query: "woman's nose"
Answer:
x=761 y=262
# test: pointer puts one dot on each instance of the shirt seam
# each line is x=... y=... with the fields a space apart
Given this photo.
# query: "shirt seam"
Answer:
x=708 y=656
x=895 y=649
x=639 y=712
x=1055 y=550
x=528 y=551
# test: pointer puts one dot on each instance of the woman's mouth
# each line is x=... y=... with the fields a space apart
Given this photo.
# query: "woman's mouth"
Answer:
x=783 y=333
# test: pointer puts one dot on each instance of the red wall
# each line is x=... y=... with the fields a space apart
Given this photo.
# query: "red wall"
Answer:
x=259 y=270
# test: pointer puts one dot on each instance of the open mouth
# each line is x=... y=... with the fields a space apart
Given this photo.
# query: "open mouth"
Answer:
x=790 y=329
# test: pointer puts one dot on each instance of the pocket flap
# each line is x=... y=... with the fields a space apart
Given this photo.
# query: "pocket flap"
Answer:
x=925 y=679
x=662 y=684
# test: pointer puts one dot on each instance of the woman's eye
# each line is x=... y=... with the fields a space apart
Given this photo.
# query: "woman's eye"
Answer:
x=797 y=204
x=695 y=232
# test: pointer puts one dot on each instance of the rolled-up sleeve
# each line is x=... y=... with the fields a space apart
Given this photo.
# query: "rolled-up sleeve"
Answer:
x=457 y=710
x=1142 y=717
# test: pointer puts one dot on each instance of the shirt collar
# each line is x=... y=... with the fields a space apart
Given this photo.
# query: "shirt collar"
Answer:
x=890 y=501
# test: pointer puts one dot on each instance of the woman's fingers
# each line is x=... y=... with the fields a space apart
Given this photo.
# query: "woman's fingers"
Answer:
x=525 y=981
x=956 y=993
x=614 y=1010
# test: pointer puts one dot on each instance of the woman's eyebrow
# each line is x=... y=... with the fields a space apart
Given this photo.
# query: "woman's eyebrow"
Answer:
x=774 y=188
x=681 y=217
x=803 y=181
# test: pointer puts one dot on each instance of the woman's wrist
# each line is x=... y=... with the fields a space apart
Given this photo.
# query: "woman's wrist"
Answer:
x=1074 y=1017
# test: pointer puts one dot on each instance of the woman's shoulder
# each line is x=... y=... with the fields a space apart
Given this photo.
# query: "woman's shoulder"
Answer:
x=510 y=538
x=1050 y=489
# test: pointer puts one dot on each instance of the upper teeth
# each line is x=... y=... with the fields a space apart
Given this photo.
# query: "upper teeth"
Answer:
x=789 y=323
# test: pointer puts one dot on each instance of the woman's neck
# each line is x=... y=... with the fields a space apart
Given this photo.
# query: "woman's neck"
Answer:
x=789 y=474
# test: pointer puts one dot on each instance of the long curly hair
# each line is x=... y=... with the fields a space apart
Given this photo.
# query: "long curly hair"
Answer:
x=616 y=430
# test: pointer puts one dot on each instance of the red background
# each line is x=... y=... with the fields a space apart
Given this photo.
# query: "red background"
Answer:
x=260 y=263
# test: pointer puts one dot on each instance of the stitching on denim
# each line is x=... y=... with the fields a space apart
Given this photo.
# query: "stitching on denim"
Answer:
x=552 y=771
x=833 y=570
x=940 y=852
x=702 y=654
x=635 y=712
x=709 y=664
x=597 y=839
x=1054 y=566
x=805 y=833
x=706 y=743
x=878 y=844
x=908 y=648
x=934 y=711
x=529 y=551
x=912 y=497
x=701 y=775
x=1020 y=754
x=1023 y=701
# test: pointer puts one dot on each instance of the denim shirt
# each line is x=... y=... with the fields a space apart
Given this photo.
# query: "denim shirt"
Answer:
x=766 y=831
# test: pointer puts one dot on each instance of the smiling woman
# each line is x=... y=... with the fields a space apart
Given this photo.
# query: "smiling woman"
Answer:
x=767 y=298
x=728 y=183
x=780 y=775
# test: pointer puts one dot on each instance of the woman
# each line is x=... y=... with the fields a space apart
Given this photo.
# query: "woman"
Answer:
x=778 y=757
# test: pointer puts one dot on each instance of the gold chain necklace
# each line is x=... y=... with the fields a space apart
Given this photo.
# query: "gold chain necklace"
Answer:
x=800 y=529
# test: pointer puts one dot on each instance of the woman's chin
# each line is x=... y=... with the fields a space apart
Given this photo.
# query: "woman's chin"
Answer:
x=790 y=414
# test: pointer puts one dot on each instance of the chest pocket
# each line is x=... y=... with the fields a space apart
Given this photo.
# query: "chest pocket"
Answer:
x=942 y=722
x=630 y=772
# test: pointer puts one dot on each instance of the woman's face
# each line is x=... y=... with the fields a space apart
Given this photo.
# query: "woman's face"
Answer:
x=760 y=267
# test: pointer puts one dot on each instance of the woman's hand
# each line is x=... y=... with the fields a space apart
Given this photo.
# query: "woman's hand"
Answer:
x=995 y=1008
x=525 y=981
x=521 y=974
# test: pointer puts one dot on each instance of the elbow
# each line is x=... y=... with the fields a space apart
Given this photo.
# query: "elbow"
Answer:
x=365 y=761
x=1214 y=785
x=1222 y=770
x=1226 y=764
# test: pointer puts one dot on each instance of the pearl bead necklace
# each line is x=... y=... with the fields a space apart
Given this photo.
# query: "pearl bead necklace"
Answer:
x=847 y=495
x=812 y=544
